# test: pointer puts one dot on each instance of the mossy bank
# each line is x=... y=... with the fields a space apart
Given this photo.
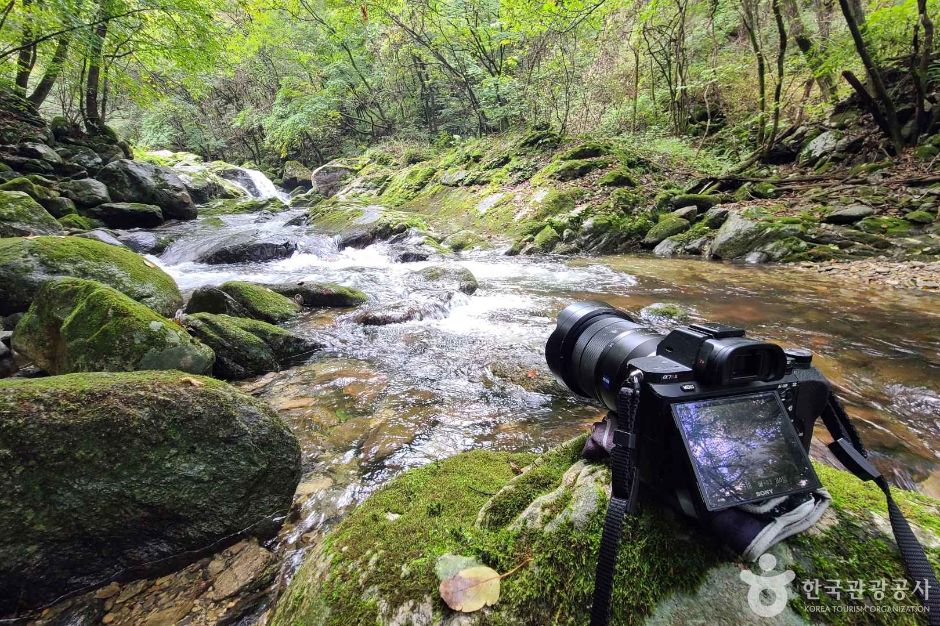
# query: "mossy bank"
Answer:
x=378 y=565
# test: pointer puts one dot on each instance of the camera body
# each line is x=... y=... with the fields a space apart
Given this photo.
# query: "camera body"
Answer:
x=723 y=420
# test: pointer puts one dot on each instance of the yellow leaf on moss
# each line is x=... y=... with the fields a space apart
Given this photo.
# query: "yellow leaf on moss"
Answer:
x=471 y=589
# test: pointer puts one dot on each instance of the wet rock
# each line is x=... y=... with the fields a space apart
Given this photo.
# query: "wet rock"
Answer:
x=247 y=252
x=25 y=264
x=261 y=303
x=433 y=306
x=449 y=278
x=539 y=522
x=317 y=295
x=412 y=256
x=214 y=300
x=76 y=325
x=103 y=236
x=36 y=150
x=143 y=242
x=715 y=216
x=59 y=207
x=128 y=469
x=453 y=178
x=737 y=236
x=820 y=147
x=85 y=192
x=306 y=199
x=667 y=227
x=545 y=240
x=668 y=247
x=461 y=240
x=688 y=213
x=246 y=347
x=136 y=181
x=126 y=214
x=21 y=216
x=328 y=179
x=85 y=157
x=849 y=214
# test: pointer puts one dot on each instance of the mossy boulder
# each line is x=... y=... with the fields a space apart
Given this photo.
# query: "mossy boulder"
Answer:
x=586 y=150
x=76 y=221
x=317 y=295
x=85 y=192
x=23 y=184
x=884 y=225
x=563 y=170
x=241 y=206
x=406 y=184
x=667 y=227
x=920 y=217
x=77 y=325
x=25 y=264
x=245 y=347
x=619 y=177
x=546 y=239
x=739 y=235
x=542 y=528
x=120 y=473
x=261 y=303
x=701 y=201
x=136 y=181
x=328 y=179
x=296 y=175
x=126 y=214
x=449 y=278
x=21 y=216
x=461 y=240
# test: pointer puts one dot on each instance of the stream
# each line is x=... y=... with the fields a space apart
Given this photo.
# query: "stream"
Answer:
x=378 y=400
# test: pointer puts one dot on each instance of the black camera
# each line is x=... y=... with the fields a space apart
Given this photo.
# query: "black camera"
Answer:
x=726 y=420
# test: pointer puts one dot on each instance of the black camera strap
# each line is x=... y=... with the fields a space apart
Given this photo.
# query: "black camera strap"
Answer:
x=848 y=448
x=624 y=488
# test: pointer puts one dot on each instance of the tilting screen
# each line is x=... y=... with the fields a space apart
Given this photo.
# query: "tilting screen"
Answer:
x=743 y=448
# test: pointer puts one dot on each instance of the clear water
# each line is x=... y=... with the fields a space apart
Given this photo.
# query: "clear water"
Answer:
x=379 y=400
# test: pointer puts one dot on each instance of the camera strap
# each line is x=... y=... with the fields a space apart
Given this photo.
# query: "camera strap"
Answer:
x=624 y=489
x=848 y=448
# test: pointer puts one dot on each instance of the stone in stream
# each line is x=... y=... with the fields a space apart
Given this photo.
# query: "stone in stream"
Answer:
x=446 y=278
x=246 y=347
x=25 y=264
x=378 y=566
x=76 y=325
x=247 y=252
x=136 y=181
x=213 y=300
x=126 y=214
x=110 y=473
x=261 y=303
x=849 y=214
x=320 y=295
x=667 y=227
x=21 y=216
x=296 y=175
x=737 y=236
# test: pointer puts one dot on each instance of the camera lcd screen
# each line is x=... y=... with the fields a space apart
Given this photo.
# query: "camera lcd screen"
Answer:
x=743 y=448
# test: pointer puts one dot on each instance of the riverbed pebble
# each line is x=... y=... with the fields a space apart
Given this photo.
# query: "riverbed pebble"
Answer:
x=923 y=275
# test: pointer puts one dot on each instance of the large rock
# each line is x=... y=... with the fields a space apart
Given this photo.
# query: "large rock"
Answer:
x=328 y=179
x=849 y=215
x=446 y=278
x=667 y=227
x=296 y=176
x=37 y=150
x=737 y=236
x=136 y=181
x=114 y=473
x=210 y=299
x=126 y=214
x=822 y=146
x=25 y=264
x=77 y=325
x=384 y=562
x=316 y=295
x=242 y=251
x=85 y=192
x=261 y=303
x=245 y=347
x=21 y=216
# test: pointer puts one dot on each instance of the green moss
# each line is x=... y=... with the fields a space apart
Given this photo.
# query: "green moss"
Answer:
x=260 y=302
x=920 y=217
x=27 y=263
x=559 y=201
x=77 y=325
x=537 y=140
x=884 y=225
x=240 y=206
x=21 y=215
x=77 y=221
x=587 y=150
x=619 y=177
x=702 y=202
x=546 y=239
x=625 y=200
x=570 y=170
x=665 y=228
x=405 y=185
x=26 y=185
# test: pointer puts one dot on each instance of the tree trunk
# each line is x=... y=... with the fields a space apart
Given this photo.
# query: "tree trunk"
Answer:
x=27 y=54
x=809 y=48
x=920 y=65
x=52 y=72
x=750 y=26
x=92 y=107
x=778 y=87
x=888 y=112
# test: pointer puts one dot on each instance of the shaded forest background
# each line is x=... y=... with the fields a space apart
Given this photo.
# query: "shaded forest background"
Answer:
x=264 y=82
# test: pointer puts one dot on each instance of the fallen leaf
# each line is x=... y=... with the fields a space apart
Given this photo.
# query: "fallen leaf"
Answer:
x=148 y=263
x=532 y=373
x=192 y=381
x=471 y=589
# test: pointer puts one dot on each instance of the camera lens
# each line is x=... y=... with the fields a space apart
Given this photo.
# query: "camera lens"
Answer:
x=591 y=346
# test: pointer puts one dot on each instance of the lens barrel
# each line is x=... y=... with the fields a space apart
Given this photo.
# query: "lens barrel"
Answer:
x=591 y=346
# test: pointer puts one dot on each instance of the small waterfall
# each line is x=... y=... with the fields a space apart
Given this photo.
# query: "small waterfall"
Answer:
x=255 y=183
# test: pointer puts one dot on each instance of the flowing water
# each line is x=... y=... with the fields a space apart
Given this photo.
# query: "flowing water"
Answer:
x=380 y=399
